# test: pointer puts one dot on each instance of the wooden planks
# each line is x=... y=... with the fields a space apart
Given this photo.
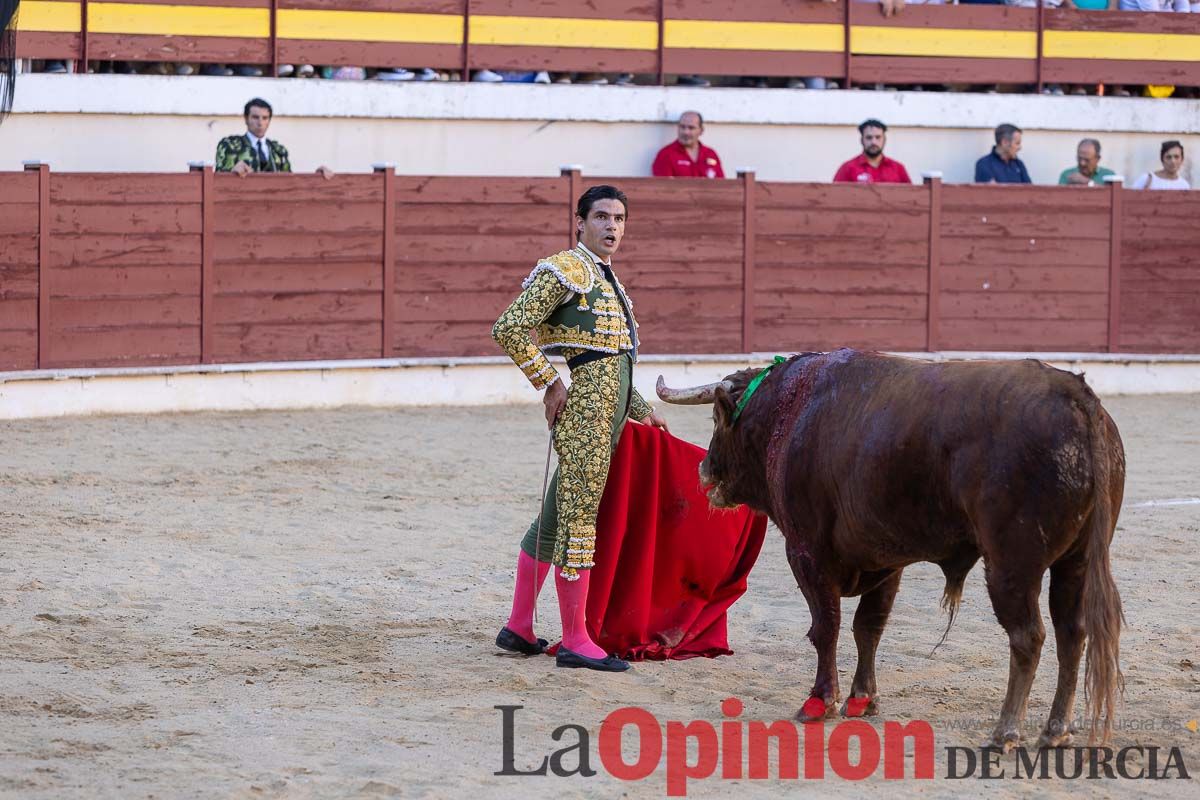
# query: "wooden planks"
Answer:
x=840 y=266
x=463 y=247
x=934 y=44
x=1023 y=268
x=1121 y=47
x=618 y=36
x=18 y=270
x=168 y=269
x=785 y=38
x=297 y=271
x=122 y=274
x=408 y=33
x=681 y=261
x=1160 y=272
x=756 y=37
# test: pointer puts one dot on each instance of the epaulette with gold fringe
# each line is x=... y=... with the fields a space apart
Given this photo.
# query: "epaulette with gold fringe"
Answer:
x=570 y=269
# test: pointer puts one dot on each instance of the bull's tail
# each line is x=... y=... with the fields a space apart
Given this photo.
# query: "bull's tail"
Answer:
x=1102 y=615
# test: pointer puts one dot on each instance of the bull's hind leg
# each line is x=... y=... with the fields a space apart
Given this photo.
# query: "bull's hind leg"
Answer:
x=869 y=620
x=1066 y=611
x=1015 y=600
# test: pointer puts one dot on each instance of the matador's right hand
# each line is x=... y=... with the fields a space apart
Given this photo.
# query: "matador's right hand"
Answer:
x=555 y=401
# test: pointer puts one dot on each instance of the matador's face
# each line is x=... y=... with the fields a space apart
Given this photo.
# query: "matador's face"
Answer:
x=604 y=227
x=258 y=120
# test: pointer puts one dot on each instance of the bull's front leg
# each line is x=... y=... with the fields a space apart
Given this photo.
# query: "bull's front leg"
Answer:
x=825 y=607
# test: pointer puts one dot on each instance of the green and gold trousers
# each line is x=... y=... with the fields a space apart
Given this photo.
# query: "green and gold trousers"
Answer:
x=585 y=437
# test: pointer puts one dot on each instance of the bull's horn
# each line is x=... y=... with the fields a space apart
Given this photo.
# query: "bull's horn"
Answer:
x=695 y=396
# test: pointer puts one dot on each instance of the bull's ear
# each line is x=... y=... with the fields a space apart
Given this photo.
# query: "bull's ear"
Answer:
x=723 y=406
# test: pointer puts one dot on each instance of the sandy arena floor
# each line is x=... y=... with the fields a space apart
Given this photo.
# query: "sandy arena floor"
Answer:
x=303 y=605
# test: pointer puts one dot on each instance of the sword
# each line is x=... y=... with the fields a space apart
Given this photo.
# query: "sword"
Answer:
x=537 y=547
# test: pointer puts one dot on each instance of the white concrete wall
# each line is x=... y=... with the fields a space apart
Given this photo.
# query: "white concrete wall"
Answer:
x=399 y=383
x=158 y=124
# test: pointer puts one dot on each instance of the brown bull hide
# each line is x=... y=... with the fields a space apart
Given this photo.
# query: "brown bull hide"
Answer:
x=868 y=463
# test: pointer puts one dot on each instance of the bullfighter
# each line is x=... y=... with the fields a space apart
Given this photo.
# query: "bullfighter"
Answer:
x=581 y=312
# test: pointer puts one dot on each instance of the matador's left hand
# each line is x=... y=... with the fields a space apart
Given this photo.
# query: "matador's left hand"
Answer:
x=657 y=421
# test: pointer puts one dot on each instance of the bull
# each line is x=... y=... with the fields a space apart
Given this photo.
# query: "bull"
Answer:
x=868 y=463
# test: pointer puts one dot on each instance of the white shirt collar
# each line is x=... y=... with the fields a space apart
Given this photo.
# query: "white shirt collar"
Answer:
x=593 y=256
x=254 y=140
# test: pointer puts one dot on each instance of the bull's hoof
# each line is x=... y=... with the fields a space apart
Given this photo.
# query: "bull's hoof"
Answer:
x=1005 y=741
x=1056 y=734
x=815 y=709
x=860 y=707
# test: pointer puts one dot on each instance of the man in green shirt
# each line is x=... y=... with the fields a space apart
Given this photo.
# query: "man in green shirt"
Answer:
x=1088 y=171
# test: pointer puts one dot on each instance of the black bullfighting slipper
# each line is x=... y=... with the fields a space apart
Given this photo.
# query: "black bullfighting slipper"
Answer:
x=566 y=658
x=515 y=643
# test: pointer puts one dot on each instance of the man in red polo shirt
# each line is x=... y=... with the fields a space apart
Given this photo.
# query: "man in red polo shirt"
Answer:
x=872 y=166
x=686 y=157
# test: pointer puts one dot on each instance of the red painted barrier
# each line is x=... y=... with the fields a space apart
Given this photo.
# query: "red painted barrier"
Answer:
x=123 y=269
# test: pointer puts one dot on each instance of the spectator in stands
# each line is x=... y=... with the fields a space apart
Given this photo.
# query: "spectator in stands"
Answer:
x=253 y=151
x=686 y=157
x=1087 y=171
x=1168 y=177
x=872 y=166
x=1002 y=165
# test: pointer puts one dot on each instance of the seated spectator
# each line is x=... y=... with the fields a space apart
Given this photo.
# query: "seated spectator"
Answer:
x=686 y=157
x=1087 y=171
x=1002 y=165
x=252 y=151
x=1168 y=177
x=872 y=166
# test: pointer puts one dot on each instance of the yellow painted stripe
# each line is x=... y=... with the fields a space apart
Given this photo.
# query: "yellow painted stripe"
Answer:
x=370 y=26
x=131 y=18
x=352 y=26
x=786 y=36
x=880 y=41
x=36 y=15
x=610 y=34
x=1121 y=46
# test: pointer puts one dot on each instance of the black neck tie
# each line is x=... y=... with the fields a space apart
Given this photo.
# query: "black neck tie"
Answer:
x=262 y=156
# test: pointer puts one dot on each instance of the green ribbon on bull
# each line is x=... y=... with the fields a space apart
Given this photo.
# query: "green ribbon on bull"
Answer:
x=754 y=384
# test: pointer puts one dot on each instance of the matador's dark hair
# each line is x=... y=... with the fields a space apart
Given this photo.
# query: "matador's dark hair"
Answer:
x=8 y=54
x=601 y=192
x=258 y=102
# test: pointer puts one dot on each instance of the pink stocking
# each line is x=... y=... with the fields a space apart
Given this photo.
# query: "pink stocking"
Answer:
x=572 y=606
x=531 y=574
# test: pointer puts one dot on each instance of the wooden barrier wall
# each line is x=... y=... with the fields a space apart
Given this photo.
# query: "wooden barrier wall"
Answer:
x=850 y=41
x=1159 y=298
x=145 y=269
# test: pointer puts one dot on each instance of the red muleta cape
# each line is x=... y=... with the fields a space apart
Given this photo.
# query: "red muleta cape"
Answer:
x=667 y=565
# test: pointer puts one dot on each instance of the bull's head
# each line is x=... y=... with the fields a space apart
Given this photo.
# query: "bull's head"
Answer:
x=728 y=471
